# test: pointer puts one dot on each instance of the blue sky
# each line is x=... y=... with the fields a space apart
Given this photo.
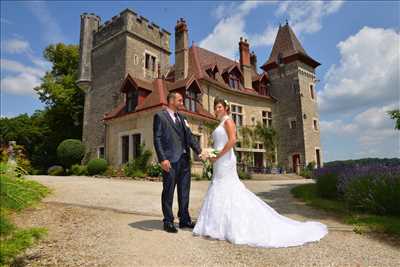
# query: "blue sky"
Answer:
x=356 y=42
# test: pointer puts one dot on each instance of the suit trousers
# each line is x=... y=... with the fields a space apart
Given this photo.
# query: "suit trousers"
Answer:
x=178 y=175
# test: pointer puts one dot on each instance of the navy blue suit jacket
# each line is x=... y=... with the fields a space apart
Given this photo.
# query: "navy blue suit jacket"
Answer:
x=168 y=142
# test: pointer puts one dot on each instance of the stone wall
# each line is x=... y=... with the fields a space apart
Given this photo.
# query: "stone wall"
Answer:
x=285 y=87
x=143 y=123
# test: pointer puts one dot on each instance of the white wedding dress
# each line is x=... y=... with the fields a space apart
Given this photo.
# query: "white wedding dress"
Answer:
x=232 y=212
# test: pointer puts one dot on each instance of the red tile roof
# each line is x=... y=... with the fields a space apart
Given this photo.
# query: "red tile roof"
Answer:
x=287 y=44
x=200 y=60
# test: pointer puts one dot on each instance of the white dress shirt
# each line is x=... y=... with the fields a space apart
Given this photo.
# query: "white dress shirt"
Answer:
x=171 y=113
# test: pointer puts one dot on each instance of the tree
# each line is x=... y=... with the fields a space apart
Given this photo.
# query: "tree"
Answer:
x=62 y=116
x=395 y=115
x=63 y=98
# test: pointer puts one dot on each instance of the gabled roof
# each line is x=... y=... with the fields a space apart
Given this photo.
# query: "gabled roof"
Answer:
x=157 y=98
x=135 y=82
x=287 y=45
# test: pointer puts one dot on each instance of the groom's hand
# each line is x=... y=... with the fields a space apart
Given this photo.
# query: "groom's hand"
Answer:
x=165 y=165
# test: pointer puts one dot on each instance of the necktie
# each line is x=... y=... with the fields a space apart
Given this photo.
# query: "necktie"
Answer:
x=176 y=117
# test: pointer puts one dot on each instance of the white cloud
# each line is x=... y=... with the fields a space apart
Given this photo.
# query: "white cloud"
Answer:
x=19 y=78
x=20 y=84
x=16 y=67
x=229 y=29
x=371 y=131
x=368 y=73
x=15 y=46
x=51 y=30
x=304 y=17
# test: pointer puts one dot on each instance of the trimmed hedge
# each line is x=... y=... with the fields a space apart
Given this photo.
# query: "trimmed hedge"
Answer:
x=97 y=166
x=70 y=151
x=55 y=170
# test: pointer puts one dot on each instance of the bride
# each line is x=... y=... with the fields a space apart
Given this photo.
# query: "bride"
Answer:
x=232 y=212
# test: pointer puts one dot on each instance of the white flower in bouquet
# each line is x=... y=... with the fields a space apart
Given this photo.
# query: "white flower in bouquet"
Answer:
x=210 y=153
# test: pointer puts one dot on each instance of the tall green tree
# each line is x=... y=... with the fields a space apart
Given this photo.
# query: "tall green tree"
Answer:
x=61 y=119
x=63 y=98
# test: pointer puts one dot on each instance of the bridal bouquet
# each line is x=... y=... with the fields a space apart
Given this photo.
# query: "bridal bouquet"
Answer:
x=206 y=155
x=209 y=153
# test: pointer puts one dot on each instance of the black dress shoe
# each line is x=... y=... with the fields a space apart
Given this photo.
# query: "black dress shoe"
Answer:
x=187 y=225
x=170 y=228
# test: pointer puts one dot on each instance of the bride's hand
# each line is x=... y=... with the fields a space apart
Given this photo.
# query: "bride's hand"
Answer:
x=213 y=159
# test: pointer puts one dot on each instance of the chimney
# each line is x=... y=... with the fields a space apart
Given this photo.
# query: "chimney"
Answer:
x=181 y=50
x=89 y=24
x=253 y=61
x=245 y=65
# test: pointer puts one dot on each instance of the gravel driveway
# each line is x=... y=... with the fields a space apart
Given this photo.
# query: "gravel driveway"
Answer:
x=111 y=222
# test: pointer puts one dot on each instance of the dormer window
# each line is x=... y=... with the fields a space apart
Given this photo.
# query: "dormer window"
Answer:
x=192 y=96
x=233 y=81
x=131 y=100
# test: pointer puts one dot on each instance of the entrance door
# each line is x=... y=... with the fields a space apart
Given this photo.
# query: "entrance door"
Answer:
x=258 y=159
x=296 y=163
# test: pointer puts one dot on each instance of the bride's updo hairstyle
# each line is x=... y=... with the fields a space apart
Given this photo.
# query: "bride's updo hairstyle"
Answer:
x=219 y=100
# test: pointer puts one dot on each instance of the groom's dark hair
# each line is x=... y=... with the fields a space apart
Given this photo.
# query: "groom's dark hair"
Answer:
x=171 y=95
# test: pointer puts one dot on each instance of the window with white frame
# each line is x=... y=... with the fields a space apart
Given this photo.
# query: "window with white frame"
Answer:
x=267 y=118
x=237 y=114
x=191 y=98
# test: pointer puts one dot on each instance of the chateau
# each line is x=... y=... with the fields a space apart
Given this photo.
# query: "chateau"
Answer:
x=126 y=73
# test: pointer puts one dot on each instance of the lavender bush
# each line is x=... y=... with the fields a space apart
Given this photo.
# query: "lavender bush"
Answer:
x=373 y=187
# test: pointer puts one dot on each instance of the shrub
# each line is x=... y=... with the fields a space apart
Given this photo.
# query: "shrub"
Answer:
x=154 y=170
x=15 y=195
x=97 y=166
x=77 y=169
x=327 y=185
x=244 y=175
x=376 y=194
x=55 y=170
x=70 y=151
x=138 y=166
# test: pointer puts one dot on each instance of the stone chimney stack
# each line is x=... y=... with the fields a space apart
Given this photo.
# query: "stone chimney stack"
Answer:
x=245 y=65
x=89 y=24
x=181 y=50
x=253 y=61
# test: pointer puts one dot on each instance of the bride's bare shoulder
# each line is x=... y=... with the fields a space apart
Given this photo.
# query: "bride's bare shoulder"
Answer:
x=229 y=123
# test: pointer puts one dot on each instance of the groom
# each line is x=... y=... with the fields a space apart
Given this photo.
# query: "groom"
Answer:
x=172 y=142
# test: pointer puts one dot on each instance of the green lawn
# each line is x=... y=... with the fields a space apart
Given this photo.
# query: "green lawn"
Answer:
x=15 y=195
x=362 y=222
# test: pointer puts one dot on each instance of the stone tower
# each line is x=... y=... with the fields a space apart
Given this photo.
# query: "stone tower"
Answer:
x=292 y=75
x=128 y=43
